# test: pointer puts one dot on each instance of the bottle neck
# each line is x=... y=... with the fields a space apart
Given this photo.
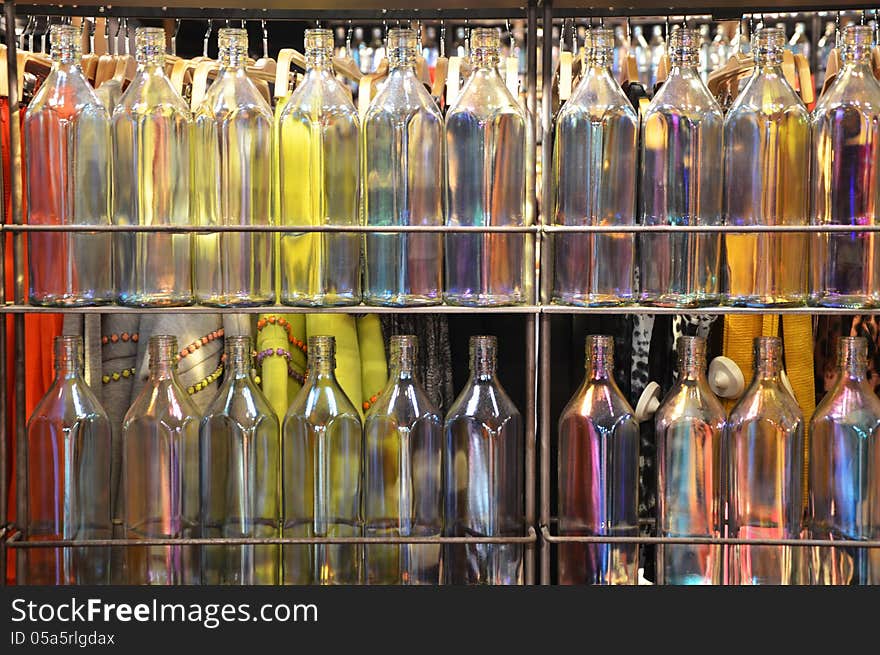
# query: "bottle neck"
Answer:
x=599 y=369
x=483 y=352
x=319 y=59
x=66 y=368
x=162 y=370
x=238 y=361
x=403 y=364
x=852 y=359
x=600 y=58
x=402 y=59
x=485 y=58
x=233 y=58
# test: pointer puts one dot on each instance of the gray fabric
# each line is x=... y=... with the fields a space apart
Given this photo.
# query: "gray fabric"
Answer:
x=434 y=365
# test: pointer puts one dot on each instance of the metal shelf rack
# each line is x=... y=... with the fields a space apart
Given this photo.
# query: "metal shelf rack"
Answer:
x=537 y=537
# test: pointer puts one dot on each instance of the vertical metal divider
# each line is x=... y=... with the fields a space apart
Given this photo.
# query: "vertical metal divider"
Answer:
x=531 y=319
x=15 y=168
x=546 y=267
x=4 y=400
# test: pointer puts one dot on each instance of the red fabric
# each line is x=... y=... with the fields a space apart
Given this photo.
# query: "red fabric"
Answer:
x=40 y=331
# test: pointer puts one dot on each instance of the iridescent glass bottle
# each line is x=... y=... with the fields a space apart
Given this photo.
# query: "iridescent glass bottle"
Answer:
x=485 y=183
x=151 y=182
x=681 y=184
x=317 y=175
x=594 y=166
x=67 y=163
x=843 y=481
x=403 y=165
x=598 y=464
x=232 y=164
x=160 y=474
x=766 y=173
x=403 y=443
x=846 y=189
x=689 y=426
x=240 y=476
x=68 y=477
x=765 y=464
x=483 y=481
x=322 y=472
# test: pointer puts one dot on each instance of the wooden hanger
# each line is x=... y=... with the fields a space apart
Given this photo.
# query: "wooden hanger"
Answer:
x=367 y=86
x=125 y=63
x=106 y=61
x=832 y=67
x=90 y=58
x=805 y=79
x=200 y=82
x=875 y=61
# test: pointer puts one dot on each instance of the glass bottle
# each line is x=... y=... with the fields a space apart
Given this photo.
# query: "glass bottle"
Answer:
x=318 y=166
x=403 y=442
x=843 y=472
x=151 y=182
x=765 y=464
x=231 y=154
x=484 y=490
x=846 y=142
x=485 y=183
x=598 y=464
x=322 y=471
x=766 y=164
x=689 y=426
x=68 y=476
x=403 y=165
x=160 y=474
x=67 y=163
x=594 y=165
x=681 y=184
x=240 y=476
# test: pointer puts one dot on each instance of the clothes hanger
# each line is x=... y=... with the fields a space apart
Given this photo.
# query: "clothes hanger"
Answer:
x=832 y=65
x=511 y=64
x=441 y=68
x=125 y=63
x=629 y=71
x=182 y=70
x=107 y=60
x=90 y=59
x=563 y=77
x=663 y=65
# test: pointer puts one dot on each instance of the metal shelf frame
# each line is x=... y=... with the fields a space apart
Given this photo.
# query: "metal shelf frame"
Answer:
x=539 y=15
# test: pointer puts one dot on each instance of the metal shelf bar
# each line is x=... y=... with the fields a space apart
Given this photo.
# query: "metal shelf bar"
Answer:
x=801 y=543
x=292 y=229
x=625 y=310
x=456 y=229
x=272 y=309
x=15 y=542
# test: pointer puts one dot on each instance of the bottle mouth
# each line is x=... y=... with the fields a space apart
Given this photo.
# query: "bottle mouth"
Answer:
x=600 y=352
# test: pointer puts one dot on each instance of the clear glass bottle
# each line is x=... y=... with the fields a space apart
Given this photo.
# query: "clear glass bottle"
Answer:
x=846 y=191
x=766 y=174
x=595 y=155
x=232 y=164
x=160 y=474
x=681 y=184
x=151 y=182
x=484 y=488
x=689 y=427
x=765 y=464
x=68 y=476
x=485 y=183
x=240 y=476
x=403 y=444
x=67 y=164
x=317 y=177
x=843 y=472
x=403 y=165
x=598 y=464
x=322 y=472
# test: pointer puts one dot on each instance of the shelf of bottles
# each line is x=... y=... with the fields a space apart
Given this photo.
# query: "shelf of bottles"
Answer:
x=688 y=190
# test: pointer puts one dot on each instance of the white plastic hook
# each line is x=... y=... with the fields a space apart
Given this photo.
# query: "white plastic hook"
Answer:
x=648 y=403
x=726 y=378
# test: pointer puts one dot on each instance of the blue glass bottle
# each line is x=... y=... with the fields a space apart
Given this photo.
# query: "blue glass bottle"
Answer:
x=598 y=462
x=484 y=485
x=765 y=455
x=844 y=471
x=689 y=426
